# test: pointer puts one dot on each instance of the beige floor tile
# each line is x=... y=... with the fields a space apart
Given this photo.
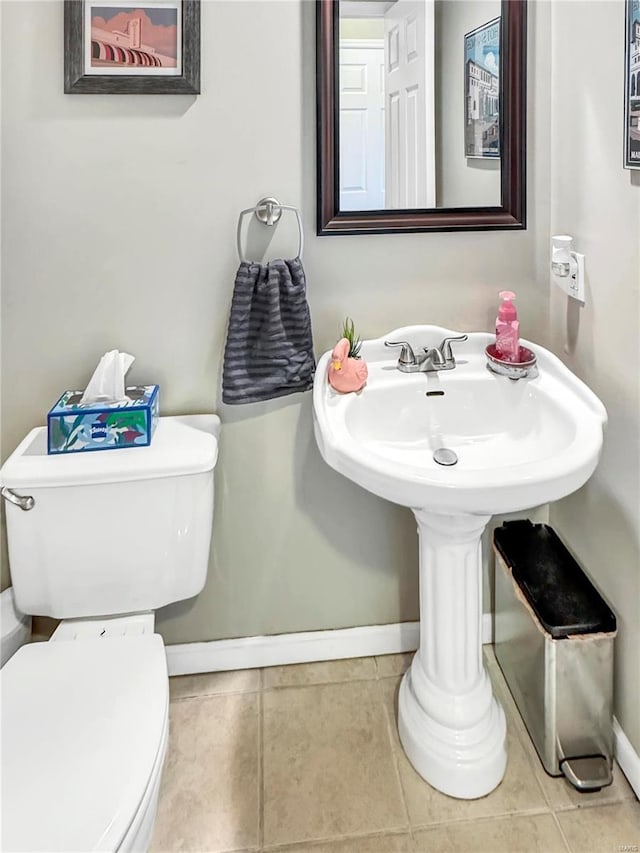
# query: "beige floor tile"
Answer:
x=396 y=843
x=328 y=764
x=603 y=829
x=213 y=683
x=393 y=664
x=518 y=791
x=515 y=834
x=558 y=792
x=209 y=800
x=322 y=672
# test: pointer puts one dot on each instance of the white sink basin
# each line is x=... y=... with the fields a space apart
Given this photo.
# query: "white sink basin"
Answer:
x=518 y=444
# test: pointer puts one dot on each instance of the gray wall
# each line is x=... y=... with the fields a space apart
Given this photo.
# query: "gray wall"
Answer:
x=600 y=207
x=120 y=232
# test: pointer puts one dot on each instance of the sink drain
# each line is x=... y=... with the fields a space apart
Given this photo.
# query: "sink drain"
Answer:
x=445 y=456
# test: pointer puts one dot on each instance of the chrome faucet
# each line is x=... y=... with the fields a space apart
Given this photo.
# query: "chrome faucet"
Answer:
x=431 y=359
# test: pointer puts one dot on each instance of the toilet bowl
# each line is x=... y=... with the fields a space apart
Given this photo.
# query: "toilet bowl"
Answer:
x=84 y=729
x=85 y=716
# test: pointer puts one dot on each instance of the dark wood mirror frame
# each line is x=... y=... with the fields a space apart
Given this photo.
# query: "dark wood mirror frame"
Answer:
x=509 y=215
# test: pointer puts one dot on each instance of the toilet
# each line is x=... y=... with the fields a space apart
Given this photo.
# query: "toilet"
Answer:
x=110 y=537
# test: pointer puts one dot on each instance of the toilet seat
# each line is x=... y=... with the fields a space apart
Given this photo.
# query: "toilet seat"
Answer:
x=84 y=729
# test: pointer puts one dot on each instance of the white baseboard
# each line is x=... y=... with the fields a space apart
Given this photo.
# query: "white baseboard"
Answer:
x=627 y=757
x=281 y=649
x=305 y=647
x=487 y=628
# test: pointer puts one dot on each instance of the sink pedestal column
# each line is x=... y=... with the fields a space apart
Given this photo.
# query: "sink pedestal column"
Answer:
x=451 y=727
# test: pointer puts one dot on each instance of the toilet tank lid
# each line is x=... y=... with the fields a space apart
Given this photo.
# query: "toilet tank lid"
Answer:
x=180 y=445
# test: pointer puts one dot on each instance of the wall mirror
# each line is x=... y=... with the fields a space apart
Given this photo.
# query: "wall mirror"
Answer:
x=421 y=115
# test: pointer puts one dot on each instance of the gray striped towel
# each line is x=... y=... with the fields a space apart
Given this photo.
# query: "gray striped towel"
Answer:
x=269 y=349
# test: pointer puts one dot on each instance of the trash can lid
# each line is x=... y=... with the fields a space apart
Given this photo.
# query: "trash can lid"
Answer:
x=562 y=597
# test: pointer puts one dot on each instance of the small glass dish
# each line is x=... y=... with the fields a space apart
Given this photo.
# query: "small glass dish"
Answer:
x=524 y=368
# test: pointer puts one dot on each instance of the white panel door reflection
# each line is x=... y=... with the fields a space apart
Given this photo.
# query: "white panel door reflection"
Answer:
x=362 y=124
x=409 y=84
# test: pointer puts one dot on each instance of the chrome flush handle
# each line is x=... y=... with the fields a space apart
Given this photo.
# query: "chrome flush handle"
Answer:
x=25 y=502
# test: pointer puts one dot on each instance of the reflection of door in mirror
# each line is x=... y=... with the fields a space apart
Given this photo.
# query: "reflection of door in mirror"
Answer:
x=361 y=117
x=406 y=104
x=409 y=79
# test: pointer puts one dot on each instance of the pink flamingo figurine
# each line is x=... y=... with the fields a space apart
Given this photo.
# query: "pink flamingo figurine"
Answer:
x=346 y=374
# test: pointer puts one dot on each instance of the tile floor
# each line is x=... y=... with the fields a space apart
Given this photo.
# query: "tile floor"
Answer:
x=307 y=758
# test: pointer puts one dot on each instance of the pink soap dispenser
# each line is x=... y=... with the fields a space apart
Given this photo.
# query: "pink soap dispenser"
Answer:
x=507 y=326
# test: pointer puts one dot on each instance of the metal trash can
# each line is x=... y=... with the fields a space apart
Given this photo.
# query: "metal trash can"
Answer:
x=553 y=639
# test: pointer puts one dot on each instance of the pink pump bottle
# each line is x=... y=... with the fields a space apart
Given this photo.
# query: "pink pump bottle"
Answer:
x=507 y=328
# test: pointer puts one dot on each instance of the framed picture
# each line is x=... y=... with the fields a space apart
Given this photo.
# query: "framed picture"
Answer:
x=632 y=86
x=127 y=48
x=482 y=91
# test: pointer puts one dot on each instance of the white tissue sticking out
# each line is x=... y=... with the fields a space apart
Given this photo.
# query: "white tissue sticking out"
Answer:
x=107 y=383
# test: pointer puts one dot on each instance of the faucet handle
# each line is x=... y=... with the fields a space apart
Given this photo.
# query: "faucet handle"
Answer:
x=407 y=355
x=445 y=346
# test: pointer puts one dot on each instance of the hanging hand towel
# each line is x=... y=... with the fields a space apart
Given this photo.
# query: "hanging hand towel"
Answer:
x=269 y=349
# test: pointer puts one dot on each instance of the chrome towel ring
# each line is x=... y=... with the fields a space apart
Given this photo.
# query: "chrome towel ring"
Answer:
x=268 y=211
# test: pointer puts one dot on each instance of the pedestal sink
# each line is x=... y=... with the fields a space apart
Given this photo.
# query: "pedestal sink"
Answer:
x=518 y=444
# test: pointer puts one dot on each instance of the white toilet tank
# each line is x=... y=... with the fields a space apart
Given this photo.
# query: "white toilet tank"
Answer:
x=114 y=531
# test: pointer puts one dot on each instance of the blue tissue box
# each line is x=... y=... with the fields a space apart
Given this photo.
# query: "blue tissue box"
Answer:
x=72 y=428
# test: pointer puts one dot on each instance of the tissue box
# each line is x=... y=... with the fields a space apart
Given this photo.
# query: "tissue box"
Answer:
x=72 y=428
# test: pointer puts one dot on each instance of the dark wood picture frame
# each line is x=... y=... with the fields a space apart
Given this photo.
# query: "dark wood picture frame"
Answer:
x=77 y=82
x=509 y=215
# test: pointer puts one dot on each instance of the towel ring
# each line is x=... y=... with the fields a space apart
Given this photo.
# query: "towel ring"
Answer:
x=268 y=211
